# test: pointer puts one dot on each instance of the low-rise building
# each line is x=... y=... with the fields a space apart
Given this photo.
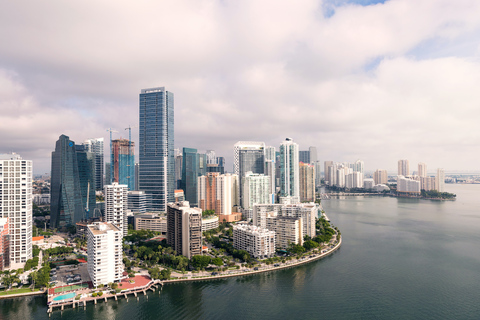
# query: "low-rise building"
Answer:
x=151 y=222
x=209 y=223
x=257 y=241
x=105 y=253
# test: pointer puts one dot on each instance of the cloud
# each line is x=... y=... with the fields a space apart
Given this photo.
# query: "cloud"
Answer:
x=373 y=80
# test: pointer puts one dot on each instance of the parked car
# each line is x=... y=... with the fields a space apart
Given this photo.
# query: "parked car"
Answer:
x=256 y=268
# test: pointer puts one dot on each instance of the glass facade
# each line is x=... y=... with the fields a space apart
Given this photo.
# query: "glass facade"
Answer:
x=156 y=156
x=87 y=178
x=194 y=166
x=66 y=198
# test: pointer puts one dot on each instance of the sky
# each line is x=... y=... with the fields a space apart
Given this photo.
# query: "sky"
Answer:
x=373 y=80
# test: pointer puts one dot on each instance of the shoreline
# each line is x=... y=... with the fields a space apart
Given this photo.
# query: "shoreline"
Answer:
x=273 y=268
x=154 y=283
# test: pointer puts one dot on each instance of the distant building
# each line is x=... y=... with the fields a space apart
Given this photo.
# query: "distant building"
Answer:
x=105 y=253
x=116 y=199
x=179 y=195
x=304 y=156
x=41 y=199
x=4 y=244
x=16 y=181
x=96 y=147
x=137 y=202
x=328 y=169
x=184 y=229
x=307 y=182
x=380 y=188
x=257 y=241
x=403 y=167
x=248 y=156
x=440 y=180
x=368 y=183
x=407 y=186
x=428 y=183
x=422 y=169
x=270 y=170
x=124 y=162
x=380 y=176
x=289 y=169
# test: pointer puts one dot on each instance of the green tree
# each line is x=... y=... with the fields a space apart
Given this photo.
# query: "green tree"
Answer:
x=200 y=262
x=217 y=261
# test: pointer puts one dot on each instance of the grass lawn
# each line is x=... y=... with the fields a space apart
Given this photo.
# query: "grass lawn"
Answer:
x=15 y=291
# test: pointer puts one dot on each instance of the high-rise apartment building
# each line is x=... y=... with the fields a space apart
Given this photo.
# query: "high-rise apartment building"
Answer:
x=270 y=170
x=4 y=244
x=318 y=173
x=422 y=169
x=124 y=162
x=194 y=166
x=327 y=171
x=184 y=229
x=72 y=183
x=380 y=176
x=256 y=189
x=116 y=204
x=440 y=180
x=156 y=143
x=313 y=154
x=307 y=182
x=288 y=230
x=257 y=241
x=248 y=156
x=359 y=167
x=403 y=167
x=289 y=169
x=407 y=186
x=211 y=158
x=218 y=192
x=96 y=146
x=105 y=253
x=304 y=156
x=16 y=205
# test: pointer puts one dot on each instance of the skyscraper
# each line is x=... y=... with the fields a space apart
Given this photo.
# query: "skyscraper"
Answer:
x=156 y=155
x=86 y=176
x=184 y=229
x=194 y=166
x=96 y=147
x=270 y=170
x=256 y=189
x=16 y=188
x=66 y=197
x=116 y=199
x=327 y=171
x=248 y=156
x=313 y=154
x=124 y=162
x=304 y=156
x=307 y=182
x=380 y=176
x=403 y=167
x=289 y=169
x=440 y=180
x=422 y=169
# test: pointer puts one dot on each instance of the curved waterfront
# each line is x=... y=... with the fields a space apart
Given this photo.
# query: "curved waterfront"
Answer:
x=400 y=259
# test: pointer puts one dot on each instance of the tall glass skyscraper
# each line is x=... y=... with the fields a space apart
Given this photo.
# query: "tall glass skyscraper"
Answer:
x=248 y=156
x=156 y=156
x=194 y=166
x=72 y=183
x=124 y=162
x=96 y=146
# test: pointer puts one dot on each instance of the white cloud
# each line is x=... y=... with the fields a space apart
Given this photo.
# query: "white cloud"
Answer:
x=351 y=84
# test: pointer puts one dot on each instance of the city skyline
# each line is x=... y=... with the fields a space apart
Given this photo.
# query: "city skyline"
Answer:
x=401 y=86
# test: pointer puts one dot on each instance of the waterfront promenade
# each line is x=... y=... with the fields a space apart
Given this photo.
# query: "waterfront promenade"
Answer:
x=142 y=283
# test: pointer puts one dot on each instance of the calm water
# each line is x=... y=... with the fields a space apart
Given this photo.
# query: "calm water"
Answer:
x=400 y=259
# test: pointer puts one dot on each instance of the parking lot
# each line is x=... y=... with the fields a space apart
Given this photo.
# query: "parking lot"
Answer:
x=64 y=275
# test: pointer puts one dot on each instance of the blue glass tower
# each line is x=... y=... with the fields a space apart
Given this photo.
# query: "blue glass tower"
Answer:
x=72 y=183
x=156 y=157
x=194 y=166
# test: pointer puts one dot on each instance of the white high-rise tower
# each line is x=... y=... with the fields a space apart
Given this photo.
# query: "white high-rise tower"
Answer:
x=16 y=205
x=116 y=203
x=289 y=169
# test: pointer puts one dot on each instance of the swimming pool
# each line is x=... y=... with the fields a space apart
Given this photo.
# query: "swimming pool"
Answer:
x=65 y=296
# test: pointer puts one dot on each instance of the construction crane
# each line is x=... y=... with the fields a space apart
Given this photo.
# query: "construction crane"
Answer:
x=111 y=155
x=130 y=167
